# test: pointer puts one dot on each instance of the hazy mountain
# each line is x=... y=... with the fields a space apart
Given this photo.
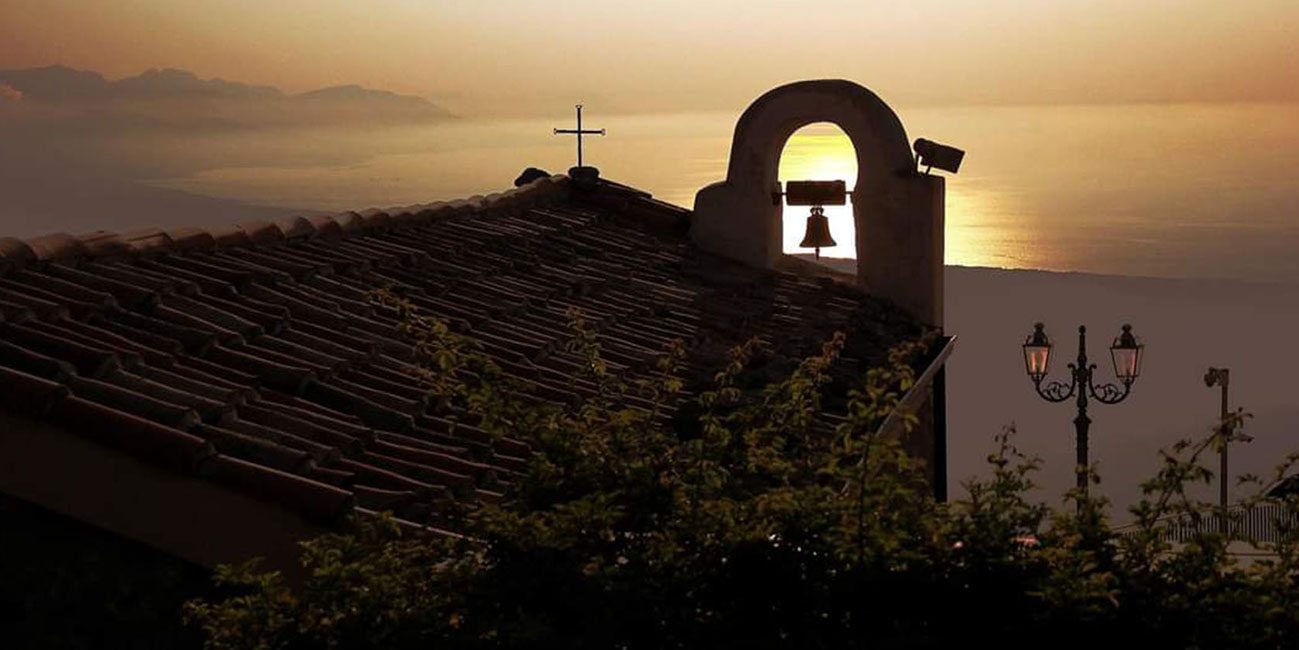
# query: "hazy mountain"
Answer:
x=170 y=82
x=353 y=92
x=179 y=98
x=357 y=98
x=56 y=84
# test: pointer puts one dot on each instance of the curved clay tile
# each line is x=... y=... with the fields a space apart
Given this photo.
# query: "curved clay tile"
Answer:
x=208 y=309
x=438 y=210
x=61 y=290
x=392 y=445
x=317 y=501
x=14 y=253
x=326 y=227
x=400 y=217
x=386 y=479
x=230 y=236
x=459 y=484
x=196 y=384
x=459 y=207
x=255 y=449
x=375 y=220
x=148 y=242
x=209 y=410
x=350 y=222
x=126 y=293
x=494 y=201
x=104 y=244
x=46 y=306
x=335 y=477
x=263 y=233
x=27 y=394
x=319 y=452
x=192 y=239
x=126 y=400
x=89 y=361
x=34 y=363
x=289 y=378
x=157 y=443
x=57 y=247
x=294 y=421
x=380 y=500
x=296 y=227
x=119 y=343
x=194 y=340
x=280 y=262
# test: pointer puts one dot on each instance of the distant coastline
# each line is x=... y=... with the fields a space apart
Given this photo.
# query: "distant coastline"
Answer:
x=179 y=99
x=849 y=265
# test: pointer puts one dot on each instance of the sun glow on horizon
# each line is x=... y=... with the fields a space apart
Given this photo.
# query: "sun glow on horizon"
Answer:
x=819 y=152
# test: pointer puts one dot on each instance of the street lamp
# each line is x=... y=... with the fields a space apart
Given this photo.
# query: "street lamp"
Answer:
x=1125 y=353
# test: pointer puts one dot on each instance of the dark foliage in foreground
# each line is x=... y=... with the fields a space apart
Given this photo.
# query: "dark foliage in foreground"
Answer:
x=762 y=531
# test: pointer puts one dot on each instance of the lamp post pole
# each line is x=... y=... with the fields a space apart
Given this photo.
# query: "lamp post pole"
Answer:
x=1126 y=354
x=1082 y=375
x=1221 y=377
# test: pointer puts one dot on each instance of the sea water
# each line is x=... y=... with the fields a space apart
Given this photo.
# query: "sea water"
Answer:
x=1166 y=190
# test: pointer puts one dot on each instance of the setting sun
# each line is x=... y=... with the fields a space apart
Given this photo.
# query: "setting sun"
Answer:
x=820 y=152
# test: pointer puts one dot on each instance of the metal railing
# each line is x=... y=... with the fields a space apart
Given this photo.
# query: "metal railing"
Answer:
x=1260 y=523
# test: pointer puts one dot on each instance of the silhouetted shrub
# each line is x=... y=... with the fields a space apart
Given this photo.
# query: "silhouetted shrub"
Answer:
x=759 y=530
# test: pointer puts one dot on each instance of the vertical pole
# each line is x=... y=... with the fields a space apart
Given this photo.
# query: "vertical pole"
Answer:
x=1226 y=439
x=579 y=135
x=1082 y=375
x=940 y=434
x=1081 y=424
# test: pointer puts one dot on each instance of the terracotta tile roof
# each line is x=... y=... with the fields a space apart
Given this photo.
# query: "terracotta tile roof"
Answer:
x=250 y=355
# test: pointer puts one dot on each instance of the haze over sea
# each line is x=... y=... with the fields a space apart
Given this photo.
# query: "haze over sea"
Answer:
x=1189 y=191
x=1153 y=190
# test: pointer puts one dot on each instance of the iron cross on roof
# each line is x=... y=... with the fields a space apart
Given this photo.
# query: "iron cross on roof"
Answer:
x=579 y=132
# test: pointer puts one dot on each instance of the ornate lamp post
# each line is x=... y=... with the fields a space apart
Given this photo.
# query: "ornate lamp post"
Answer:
x=1125 y=352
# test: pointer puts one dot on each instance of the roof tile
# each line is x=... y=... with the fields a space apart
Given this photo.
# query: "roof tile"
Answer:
x=102 y=243
x=264 y=339
x=318 y=501
x=59 y=247
x=29 y=394
x=157 y=443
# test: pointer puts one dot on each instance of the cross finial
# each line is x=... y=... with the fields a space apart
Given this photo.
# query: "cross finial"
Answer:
x=579 y=132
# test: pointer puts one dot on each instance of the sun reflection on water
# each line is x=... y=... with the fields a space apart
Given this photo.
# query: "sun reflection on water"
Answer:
x=819 y=152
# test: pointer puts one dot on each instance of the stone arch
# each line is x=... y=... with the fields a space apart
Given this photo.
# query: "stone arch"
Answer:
x=897 y=212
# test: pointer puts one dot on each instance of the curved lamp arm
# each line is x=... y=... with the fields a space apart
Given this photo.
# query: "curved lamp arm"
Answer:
x=1108 y=393
x=1058 y=391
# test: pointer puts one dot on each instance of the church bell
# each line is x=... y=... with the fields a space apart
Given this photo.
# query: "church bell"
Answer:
x=818 y=231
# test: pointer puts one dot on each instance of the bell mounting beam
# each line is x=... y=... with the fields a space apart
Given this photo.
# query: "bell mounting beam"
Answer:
x=813 y=193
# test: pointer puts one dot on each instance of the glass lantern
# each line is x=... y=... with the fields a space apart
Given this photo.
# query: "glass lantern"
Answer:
x=1037 y=353
x=1126 y=354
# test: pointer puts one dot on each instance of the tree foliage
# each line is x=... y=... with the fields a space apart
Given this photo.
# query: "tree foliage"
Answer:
x=762 y=527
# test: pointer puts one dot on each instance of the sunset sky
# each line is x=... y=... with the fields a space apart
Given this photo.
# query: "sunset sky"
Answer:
x=507 y=57
x=1130 y=138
